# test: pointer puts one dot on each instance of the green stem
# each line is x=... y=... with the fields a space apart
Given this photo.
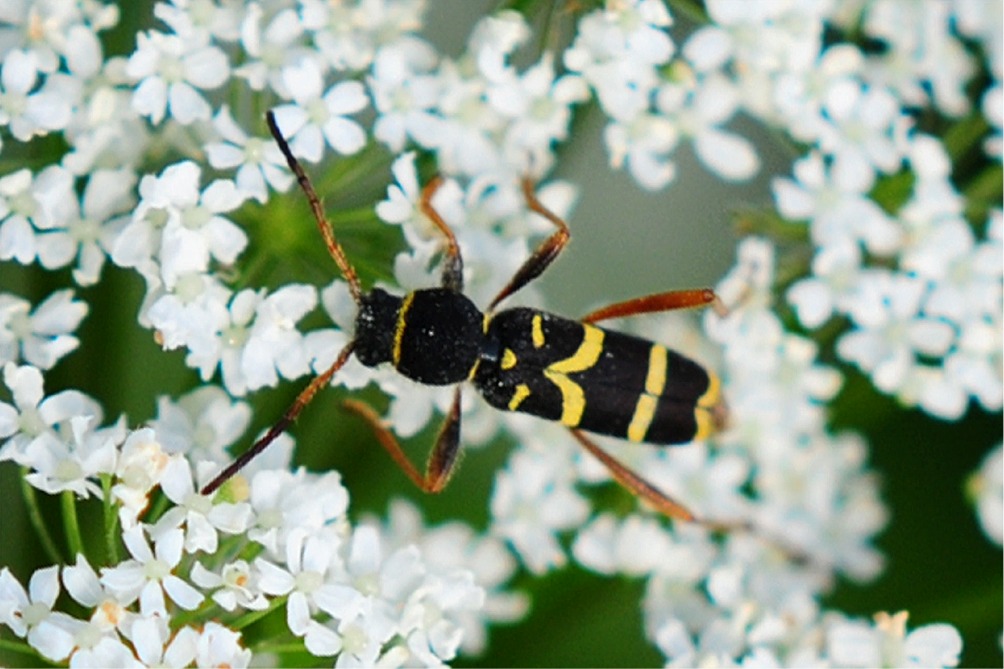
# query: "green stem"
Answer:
x=35 y=515
x=111 y=521
x=254 y=616
x=157 y=508
x=279 y=647
x=71 y=523
x=691 y=9
x=22 y=648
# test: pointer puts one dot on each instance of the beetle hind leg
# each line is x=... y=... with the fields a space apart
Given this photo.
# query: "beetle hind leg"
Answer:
x=634 y=482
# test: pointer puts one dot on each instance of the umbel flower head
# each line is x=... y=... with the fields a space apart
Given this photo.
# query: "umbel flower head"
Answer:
x=163 y=284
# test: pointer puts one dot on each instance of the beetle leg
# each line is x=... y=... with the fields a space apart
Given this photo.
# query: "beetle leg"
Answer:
x=668 y=301
x=302 y=400
x=453 y=266
x=544 y=255
x=634 y=482
x=443 y=457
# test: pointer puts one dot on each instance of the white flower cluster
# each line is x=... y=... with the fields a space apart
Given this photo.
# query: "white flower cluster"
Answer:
x=368 y=594
x=483 y=119
x=165 y=148
x=796 y=504
x=920 y=289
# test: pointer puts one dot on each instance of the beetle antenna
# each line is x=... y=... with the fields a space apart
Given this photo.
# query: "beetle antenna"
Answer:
x=298 y=405
x=323 y=224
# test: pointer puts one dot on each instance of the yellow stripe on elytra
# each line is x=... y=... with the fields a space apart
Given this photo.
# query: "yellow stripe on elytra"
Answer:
x=707 y=406
x=521 y=393
x=585 y=356
x=655 y=382
x=713 y=395
x=655 y=379
x=573 y=399
x=508 y=359
x=402 y=316
x=644 y=412
x=537 y=331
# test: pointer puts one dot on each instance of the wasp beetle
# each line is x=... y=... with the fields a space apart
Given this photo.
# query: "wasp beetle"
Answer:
x=586 y=377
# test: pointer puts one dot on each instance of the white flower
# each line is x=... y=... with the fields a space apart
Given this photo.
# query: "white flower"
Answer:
x=17 y=207
x=986 y=490
x=57 y=31
x=219 y=646
x=535 y=498
x=833 y=198
x=317 y=116
x=58 y=465
x=270 y=47
x=385 y=583
x=140 y=466
x=180 y=225
x=349 y=35
x=892 y=331
x=934 y=197
x=540 y=109
x=306 y=580
x=403 y=196
x=800 y=92
x=171 y=73
x=452 y=548
x=405 y=94
x=148 y=575
x=965 y=281
x=26 y=108
x=465 y=142
x=643 y=144
x=835 y=270
x=287 y=502
x=861 y=128
x=857 y=644
x=258 y=341
x=201 y=515
x=33 y=414
x=203 y=24
x=84 y=586
x=764 y=39
x=29 y=614
x=633 y=545
x=91 y=231
x=923 y=59
x=30 y=208
x=492 y=42
x=157 y=645
x=697 y=109
x=617 y=50
x=259 y=162
x=44 y=336
x=193 y=316
x=202 y=423
x=707 y=482
x=235 y=586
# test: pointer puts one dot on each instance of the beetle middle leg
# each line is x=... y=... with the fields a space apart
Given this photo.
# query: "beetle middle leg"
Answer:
x=443 y=458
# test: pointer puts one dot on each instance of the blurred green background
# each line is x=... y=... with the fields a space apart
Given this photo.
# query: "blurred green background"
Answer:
x=626 y=242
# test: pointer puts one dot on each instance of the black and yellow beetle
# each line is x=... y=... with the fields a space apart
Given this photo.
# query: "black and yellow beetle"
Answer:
x=586 y=377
